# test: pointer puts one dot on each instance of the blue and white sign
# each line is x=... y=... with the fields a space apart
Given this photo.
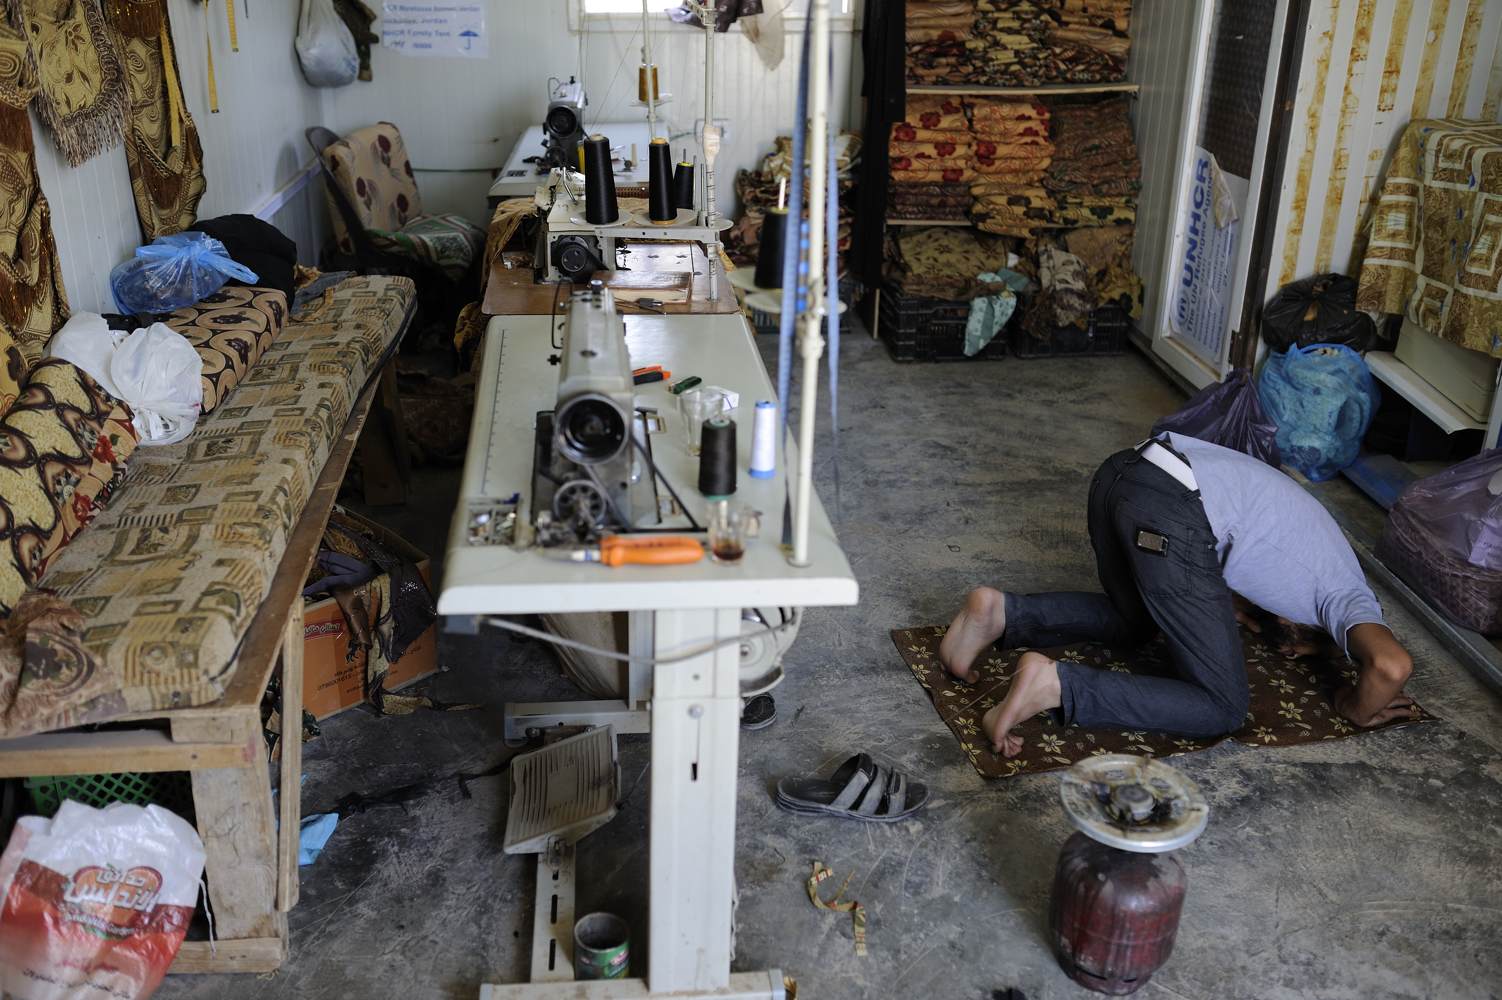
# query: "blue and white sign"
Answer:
x=1201 y=313
x=447 y=28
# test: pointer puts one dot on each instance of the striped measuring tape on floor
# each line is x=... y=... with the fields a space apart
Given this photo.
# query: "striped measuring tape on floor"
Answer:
x=856 y=910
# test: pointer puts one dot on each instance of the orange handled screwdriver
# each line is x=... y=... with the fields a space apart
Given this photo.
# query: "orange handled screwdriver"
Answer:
x=645 y=550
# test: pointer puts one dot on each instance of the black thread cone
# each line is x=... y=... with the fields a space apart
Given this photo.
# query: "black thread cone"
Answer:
x=660 y=206
x=717 y=457
x=683 y=185
x=599 y=183
x=774 y=227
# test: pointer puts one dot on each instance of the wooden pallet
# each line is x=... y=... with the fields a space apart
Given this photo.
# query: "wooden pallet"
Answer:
x=251 y=865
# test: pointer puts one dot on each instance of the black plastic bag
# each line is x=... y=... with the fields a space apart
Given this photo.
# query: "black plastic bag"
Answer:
x=1229 y=414
x=1317 y=310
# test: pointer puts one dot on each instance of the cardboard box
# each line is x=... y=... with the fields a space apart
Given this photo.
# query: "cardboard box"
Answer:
x=1466 y=378
x=330 y=682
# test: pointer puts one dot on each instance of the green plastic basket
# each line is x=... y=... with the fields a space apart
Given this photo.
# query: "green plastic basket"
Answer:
x=169 y=789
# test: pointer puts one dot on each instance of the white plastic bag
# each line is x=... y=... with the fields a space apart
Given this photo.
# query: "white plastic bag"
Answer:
x=161 y=376
x=95 y=902
x=325 y=46
x=87 y=342
x=155 y=371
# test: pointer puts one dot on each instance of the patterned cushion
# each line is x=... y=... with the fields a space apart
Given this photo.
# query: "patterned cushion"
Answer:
x=63 y=447
x=170 y=575
x=230 y=329
x=447 y=242
x=371 y=167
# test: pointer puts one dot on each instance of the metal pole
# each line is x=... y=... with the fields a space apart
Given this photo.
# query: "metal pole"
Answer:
x=646 y=58
x=711 y=143
x=811 y=338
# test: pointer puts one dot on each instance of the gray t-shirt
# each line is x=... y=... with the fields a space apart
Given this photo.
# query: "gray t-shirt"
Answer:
x=1279 y=548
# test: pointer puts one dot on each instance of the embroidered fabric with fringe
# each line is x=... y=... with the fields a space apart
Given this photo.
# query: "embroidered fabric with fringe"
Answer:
x=161 y=142
x=81 y=85
x=33 y=303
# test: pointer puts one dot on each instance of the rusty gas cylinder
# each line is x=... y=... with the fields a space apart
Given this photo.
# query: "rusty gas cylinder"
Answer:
x=1117 y=893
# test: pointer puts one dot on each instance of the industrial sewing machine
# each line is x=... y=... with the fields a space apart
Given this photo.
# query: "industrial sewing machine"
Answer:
x=563 y=126
x=593 y=471
x=569 y=248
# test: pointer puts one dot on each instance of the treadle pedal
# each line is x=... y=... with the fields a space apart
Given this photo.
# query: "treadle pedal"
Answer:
x=562 y=792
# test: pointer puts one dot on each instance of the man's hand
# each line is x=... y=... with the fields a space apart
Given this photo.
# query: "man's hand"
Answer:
x=1377 y=696
x=1347 y=704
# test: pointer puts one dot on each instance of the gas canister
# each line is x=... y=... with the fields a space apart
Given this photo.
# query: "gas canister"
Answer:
x=1117 y=891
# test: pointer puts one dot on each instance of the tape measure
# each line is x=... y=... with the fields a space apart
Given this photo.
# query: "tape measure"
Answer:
x=1133 y=803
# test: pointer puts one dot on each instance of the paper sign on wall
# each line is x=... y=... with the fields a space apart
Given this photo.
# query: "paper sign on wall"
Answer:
x=1202 y=299
x=447 y=28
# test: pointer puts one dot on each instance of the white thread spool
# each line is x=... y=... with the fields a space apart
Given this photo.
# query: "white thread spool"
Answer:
x=764 y=441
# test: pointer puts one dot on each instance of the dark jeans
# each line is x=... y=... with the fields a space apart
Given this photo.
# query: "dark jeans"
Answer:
x=1180 y=592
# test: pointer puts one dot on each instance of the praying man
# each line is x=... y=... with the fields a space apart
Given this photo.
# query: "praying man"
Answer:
x=1189 y=539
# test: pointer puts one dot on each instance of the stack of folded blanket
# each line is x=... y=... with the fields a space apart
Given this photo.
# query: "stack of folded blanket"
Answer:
x=1017 y=43
x=1013 y=153
x=1095 y=173
x=757 y=190
x=1009 y=47
x=934 y=145
x=1089 y=42
x=937 y=34
x=942 y=262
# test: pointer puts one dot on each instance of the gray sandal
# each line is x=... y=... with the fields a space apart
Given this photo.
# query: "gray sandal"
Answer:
x=860 y=789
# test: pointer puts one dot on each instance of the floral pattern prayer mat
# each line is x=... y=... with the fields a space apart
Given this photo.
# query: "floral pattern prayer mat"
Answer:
x=1290 y=703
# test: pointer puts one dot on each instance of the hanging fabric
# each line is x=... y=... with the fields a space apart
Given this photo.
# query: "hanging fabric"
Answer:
x=884 y=52
x=33 y=303
x=359 y=19
x=161 y=145
x=81 y=95
x=768 y=32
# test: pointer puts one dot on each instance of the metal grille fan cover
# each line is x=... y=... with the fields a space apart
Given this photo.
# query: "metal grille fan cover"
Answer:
x=1098 y=793
x=566 y=790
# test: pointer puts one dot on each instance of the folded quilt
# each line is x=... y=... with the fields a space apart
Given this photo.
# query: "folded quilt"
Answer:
x=929 y=150
x=170 y=575
x=903 y=132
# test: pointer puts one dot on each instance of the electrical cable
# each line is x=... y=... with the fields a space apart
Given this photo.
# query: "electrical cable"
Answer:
x=643 y=661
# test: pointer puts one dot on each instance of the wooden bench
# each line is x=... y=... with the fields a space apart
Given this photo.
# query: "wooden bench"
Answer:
x=251 y=866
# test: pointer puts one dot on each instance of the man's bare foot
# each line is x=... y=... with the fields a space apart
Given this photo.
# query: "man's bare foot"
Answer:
x=980 y=622
x=1035 y=688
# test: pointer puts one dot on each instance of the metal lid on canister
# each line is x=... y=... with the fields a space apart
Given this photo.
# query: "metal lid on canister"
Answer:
x=1133 y=803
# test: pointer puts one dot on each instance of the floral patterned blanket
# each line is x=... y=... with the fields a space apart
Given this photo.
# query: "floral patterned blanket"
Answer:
x=1290 y=703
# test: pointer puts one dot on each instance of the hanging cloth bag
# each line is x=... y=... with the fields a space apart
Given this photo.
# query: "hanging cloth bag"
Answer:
x=325 y=46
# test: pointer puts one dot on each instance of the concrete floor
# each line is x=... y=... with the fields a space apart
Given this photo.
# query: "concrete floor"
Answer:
x=1365 y=868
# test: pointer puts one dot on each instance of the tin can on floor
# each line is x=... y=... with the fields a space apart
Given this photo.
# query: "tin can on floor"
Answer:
x=602 y=947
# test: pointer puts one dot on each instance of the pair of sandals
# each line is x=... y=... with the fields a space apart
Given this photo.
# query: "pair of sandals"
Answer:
x=860 y=789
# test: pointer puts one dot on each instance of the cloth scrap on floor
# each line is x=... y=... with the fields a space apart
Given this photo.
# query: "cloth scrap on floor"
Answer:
x=313 y=835
x=856 y=910
x=1291 y=703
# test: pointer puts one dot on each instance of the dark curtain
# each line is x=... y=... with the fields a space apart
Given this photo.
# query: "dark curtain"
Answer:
x=883 y=52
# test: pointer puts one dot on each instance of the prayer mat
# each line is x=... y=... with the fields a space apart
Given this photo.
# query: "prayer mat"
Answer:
x=82 y=87
x=162 y=149
x=33 y=302
x=1290 y=703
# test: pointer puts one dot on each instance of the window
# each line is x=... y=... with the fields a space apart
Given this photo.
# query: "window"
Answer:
x=837 y=7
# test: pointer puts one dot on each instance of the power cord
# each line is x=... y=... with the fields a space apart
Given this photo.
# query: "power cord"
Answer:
x=584 y=647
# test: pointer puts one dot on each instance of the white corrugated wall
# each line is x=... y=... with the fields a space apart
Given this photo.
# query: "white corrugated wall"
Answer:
x=1370 y=67
x=252 y=147
x=460 y=117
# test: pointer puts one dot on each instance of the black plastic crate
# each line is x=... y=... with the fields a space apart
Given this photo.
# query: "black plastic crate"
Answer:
x=1106 y=334
x=920 y=329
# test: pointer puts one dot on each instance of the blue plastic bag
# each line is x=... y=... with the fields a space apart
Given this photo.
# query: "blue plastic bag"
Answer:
x=1322 y=398
x=172 y=272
